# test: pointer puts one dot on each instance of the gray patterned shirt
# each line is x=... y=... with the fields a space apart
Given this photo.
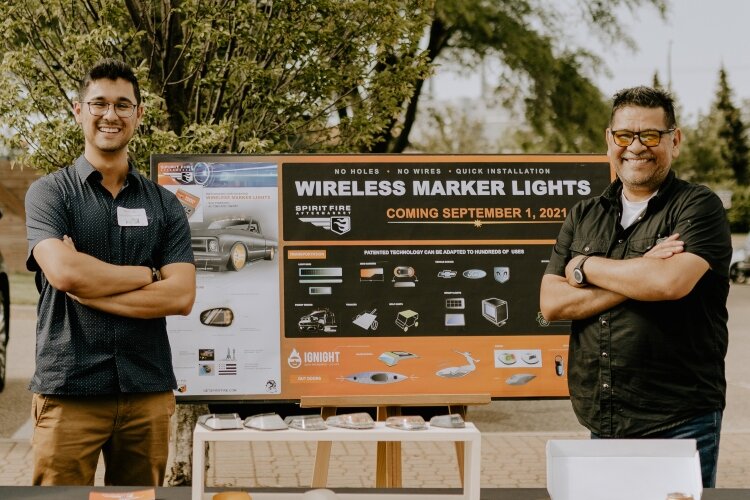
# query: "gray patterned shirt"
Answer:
x=80 y=350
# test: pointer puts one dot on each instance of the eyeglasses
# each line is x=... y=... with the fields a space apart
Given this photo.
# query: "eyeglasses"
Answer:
x=648 y=138
x=101 y=108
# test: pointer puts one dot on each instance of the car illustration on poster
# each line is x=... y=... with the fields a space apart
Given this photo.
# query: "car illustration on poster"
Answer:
x=229 y=244
x=318 y=321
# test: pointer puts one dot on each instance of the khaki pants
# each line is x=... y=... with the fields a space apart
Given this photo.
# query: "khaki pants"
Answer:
x=131 y=430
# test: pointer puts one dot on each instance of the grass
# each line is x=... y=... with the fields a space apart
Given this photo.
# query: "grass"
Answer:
x=22 y=289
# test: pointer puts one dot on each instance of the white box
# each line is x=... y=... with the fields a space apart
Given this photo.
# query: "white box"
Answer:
x=622 y=469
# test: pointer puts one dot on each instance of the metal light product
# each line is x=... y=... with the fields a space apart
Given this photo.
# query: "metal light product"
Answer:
x=404 y=276
x=376 y=377
x=407 y=423
x=217 y=316
x=266 y=422
x=351 y=421
x=220 y=421
x=390 y=358
x=455 y=319
x=306 y=422
x=519 y=378
x=452 y=421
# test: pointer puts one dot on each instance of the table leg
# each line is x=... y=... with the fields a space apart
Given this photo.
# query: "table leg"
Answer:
x=322 y=455
x=472 y=472
x=199 y=468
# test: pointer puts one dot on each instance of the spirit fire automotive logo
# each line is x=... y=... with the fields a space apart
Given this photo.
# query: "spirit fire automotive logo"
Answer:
x=339 y=224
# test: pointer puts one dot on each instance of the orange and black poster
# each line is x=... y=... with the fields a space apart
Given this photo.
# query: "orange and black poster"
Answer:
x=376 y=275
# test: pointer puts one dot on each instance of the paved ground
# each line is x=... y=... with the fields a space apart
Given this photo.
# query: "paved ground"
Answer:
x=509 y=460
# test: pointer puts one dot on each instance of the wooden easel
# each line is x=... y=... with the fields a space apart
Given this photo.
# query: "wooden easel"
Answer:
x=388 y=458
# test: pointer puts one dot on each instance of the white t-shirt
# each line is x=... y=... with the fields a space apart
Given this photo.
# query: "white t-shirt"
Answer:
x=632 y=209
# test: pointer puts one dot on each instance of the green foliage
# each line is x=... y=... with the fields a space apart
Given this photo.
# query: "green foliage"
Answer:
x=544 y=75
x=700 y=154
x=298 y=75
x=732 y=132
x=739 y=213
x=715 y=152
x=222 y=76
x=573 y=117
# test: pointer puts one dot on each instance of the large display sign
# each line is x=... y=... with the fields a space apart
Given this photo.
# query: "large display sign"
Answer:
x=335 y=275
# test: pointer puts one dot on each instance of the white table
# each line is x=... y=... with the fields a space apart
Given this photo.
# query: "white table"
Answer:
x=469 y=435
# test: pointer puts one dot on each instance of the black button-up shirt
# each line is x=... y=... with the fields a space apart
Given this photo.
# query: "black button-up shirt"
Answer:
x=642 y=367
x=80 y=350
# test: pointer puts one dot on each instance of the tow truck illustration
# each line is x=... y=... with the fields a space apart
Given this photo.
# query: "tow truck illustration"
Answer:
x=321 y=320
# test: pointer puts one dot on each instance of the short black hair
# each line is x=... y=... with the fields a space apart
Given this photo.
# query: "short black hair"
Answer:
x=646 y=97
x=111 y=69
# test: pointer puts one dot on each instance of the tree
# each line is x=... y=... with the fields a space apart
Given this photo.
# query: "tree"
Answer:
x=216 y=76
x=541 y=75
x=453 y=130
x=715 y=152
x=732 y=132
x=700 y=157
x=219 y=76
x=292 y=76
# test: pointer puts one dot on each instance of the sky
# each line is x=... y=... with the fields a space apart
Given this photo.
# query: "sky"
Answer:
x=701 y=35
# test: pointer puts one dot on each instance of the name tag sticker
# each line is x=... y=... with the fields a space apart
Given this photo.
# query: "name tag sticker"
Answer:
x=131 y=217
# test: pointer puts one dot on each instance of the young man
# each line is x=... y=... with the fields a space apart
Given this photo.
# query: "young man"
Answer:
x=642 y=270
x=112 y=254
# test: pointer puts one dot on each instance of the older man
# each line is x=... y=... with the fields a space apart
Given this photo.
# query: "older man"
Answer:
x=642 y=270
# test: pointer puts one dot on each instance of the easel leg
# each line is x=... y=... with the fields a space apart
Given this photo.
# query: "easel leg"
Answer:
x=322 y=455
x=388 y=461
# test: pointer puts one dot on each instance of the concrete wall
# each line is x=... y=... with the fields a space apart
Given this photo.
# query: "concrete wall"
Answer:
x=14 y=181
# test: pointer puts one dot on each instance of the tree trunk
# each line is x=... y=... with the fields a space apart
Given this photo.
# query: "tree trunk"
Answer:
x=387 y=142
x=183 y=422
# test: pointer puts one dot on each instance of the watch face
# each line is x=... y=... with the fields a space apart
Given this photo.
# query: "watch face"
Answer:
x=578 y=276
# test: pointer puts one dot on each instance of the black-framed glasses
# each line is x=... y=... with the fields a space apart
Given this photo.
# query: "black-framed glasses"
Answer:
x=648 y=138
x=101 y=108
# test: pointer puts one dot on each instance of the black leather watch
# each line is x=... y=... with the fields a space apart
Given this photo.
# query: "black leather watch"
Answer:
x=578 y=275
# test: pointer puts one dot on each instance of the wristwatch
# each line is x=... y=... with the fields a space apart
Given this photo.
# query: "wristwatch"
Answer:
x=578 y=274
x=155 y=275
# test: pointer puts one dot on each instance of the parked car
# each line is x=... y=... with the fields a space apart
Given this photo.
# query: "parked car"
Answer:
x=739 y=267
x=4 y=318
x=229 y=244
